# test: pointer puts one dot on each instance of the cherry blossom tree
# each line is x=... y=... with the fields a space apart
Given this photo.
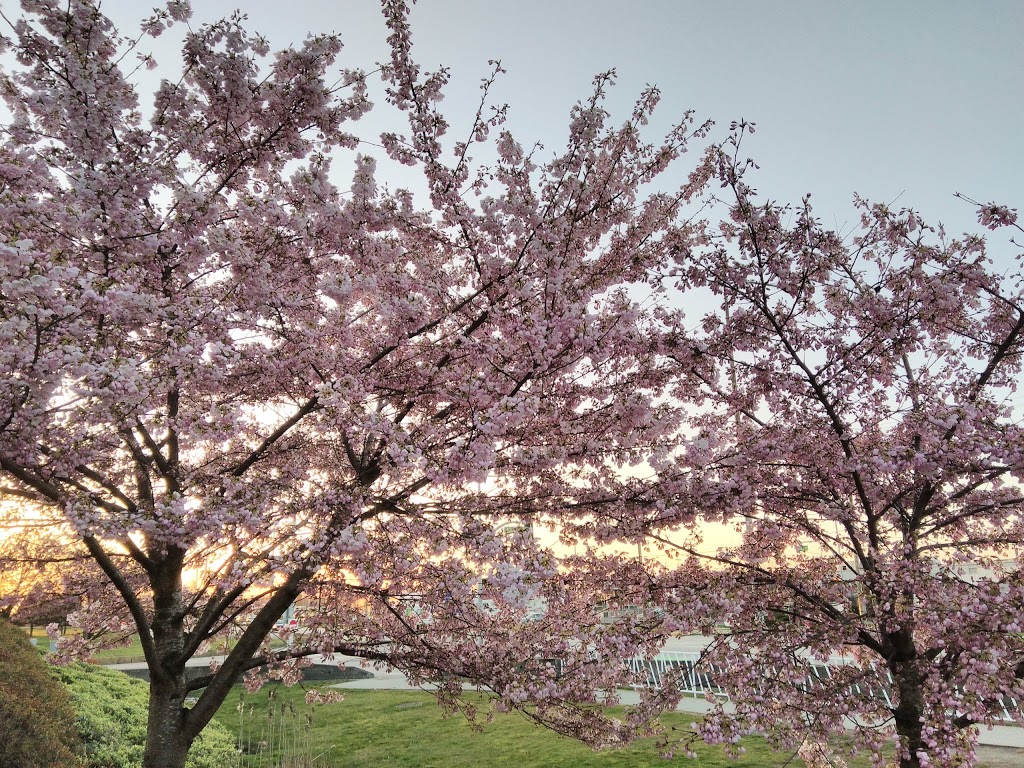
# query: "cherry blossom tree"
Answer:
x=855 y=411
x=41 y=584
x=236 y=382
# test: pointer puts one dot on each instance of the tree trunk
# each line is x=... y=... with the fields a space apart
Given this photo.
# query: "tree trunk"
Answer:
x=167 y=744
x=171 y=728
x=167 y=735
x=909 y=712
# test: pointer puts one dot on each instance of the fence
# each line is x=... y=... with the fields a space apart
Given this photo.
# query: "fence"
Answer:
x=697 y=678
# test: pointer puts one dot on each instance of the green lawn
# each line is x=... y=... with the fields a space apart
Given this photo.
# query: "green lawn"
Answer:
x=39 y=633
x=407 y=730
x=132 y=650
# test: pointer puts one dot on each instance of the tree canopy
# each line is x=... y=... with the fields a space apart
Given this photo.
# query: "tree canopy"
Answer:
x=854 y=410
x=236 y=379
x=232 y=382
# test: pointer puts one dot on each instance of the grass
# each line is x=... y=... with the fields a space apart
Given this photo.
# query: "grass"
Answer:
x=122 y=654
x=38 y=634
x=128 y=652
x=406 y=729
x=132 y=650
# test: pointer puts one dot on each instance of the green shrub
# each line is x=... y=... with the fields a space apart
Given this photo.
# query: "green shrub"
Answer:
x=37 y=722
x=111 y=709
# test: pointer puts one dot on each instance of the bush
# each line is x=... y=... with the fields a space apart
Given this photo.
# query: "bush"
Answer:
x=37 y=722
x=111 y=709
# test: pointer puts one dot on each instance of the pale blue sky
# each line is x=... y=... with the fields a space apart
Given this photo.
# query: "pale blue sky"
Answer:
x=909 y=99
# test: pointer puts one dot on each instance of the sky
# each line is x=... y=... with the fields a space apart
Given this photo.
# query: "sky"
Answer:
x=903 y=102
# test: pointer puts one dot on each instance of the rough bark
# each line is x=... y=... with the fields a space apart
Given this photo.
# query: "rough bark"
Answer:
x=167 y=742
x=172 y=728
x=167 y=739
x=908 y=714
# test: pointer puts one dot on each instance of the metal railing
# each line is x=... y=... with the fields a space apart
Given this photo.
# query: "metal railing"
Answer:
x=696 y=678
x=685 y=669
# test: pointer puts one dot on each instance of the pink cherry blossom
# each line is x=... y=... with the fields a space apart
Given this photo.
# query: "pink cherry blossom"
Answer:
x=853 y=414
x=235 y=381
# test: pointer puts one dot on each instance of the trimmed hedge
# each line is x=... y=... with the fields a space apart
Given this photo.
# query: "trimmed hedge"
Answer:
x=111 y=709
x=37 y=721
x=81 y=716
